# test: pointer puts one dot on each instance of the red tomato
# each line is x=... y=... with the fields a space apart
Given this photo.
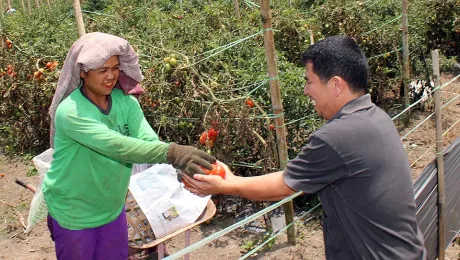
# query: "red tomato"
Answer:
x=49 y=65
x=185 y=183
x=272 y=127
x=210 y=143
x=177 y=83
x=217 y=169
x=9 y=67
x=8 y=42
x=249 y=102
x=203 y=138
x=212 y=134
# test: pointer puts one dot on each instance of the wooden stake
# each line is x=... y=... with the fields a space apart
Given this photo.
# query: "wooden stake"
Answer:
x=277 y=105
x=79 y=18
x=37 y=3
x=312 y=39
x=1 y=11
x=237 y=10
x=49 y=4
x=439 y=154
x=23 y=6
x=29 y=6
x=406 y=72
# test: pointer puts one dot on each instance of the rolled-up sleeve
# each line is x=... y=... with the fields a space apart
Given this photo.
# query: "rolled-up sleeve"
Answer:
x=315 y=167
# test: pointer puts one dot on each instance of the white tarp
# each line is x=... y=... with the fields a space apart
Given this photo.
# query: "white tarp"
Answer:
x=164 y=201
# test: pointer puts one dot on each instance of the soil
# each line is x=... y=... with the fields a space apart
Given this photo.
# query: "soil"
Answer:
x=15 y=200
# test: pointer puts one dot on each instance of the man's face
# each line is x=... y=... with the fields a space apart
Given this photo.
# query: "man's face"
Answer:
x=100 y=82
x=321 y=94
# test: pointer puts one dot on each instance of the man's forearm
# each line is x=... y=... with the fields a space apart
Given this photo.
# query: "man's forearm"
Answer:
x=269 y=187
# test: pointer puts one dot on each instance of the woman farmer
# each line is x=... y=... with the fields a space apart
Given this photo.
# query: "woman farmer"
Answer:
x=98 y=131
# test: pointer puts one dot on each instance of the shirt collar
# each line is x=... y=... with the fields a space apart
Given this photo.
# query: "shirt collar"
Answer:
x=357 y=104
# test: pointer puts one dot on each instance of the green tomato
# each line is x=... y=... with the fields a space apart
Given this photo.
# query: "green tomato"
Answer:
x=173 y=62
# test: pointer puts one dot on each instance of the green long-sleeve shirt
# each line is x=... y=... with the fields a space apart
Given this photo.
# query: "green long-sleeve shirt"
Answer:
x=94 y=149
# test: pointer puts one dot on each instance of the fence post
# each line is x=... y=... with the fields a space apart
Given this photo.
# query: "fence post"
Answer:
x=406 y=72
x=79 y=18
x=29 y=7
x=312 y=39
x=439 y=154
x=237 y=10
x=277 y=105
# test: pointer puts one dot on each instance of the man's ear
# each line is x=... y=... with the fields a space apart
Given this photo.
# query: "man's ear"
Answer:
x=339 y=85
x=82 y=74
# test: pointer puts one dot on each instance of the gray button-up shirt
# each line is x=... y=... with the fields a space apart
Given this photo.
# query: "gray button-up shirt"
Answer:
x=357 y=165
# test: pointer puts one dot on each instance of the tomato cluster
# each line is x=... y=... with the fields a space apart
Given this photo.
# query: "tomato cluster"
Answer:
x=209 y=137
x=51 y=65
x=9 y=44
x=10 y=71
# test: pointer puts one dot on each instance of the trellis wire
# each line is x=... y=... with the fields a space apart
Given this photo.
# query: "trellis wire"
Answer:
x=230 y=228
x=432 y=146
x=428 y=117
x=424 y=96
x=279 y=232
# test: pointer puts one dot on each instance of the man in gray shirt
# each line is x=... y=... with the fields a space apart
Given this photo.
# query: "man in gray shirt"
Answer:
x=356 y=163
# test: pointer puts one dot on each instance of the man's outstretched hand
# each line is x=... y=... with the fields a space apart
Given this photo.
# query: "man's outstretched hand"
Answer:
x=204 y=185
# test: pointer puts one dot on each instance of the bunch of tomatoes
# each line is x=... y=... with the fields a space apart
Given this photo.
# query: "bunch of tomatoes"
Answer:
x=208 y=138
x=9 y=44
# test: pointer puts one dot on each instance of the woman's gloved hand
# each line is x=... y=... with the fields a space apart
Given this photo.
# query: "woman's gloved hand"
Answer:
x=188 y=158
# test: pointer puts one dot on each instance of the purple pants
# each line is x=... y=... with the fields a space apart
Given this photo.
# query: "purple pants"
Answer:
x=105 y=242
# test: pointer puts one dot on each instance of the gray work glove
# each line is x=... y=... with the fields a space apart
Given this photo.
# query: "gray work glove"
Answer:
x=188 y=158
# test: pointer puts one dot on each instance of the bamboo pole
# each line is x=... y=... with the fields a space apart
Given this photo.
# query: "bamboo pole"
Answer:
x=37 y=3
x=79 y=18
x=237 y=10
x=439 y=154
x=406 y=71
x=1 y=11
x=8 y=4
x=23 y=6
x=29 y=6
x=49 y=4
x=180 y=3
x=312 y=39
x=277 y=105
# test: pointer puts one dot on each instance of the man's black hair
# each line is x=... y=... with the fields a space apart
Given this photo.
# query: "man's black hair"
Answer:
x=339 y=56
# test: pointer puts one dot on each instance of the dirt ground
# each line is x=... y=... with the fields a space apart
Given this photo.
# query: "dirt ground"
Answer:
x=15 y=200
